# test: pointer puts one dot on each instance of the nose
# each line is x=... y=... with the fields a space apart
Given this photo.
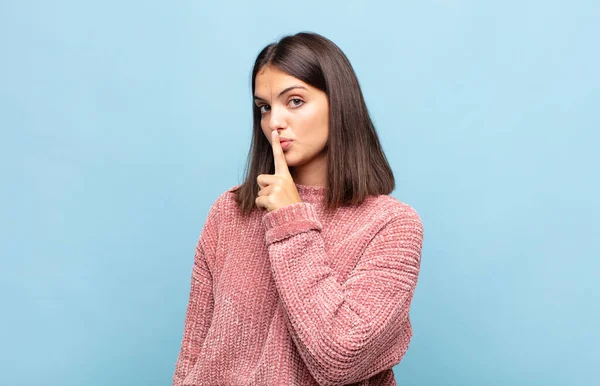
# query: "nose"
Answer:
x=277 y=120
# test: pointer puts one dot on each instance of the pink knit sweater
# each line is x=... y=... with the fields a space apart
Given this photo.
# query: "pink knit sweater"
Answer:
x=301 y=295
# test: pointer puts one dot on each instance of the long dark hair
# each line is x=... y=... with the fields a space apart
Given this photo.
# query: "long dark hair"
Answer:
x=356 y=164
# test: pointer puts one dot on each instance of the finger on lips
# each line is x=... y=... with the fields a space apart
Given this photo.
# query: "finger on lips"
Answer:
x=280 y=163
x=274 y=183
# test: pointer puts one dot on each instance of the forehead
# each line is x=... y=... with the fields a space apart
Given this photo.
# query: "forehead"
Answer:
x=271 y=79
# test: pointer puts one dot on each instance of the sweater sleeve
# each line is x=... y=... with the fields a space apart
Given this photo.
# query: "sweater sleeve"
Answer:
x=350 y=331
x=201 y=302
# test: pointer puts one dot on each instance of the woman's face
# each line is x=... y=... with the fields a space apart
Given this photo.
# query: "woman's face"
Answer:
x=299 y=112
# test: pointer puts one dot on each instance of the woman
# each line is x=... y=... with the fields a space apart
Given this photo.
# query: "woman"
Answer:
x=304 y=274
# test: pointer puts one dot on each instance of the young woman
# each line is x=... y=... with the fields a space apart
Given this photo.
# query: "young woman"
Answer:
x=305 y=273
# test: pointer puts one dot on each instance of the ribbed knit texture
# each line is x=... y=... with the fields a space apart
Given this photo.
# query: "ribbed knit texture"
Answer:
x=301 y=295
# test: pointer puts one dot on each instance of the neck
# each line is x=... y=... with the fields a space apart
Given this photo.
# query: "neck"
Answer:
x=312 y=174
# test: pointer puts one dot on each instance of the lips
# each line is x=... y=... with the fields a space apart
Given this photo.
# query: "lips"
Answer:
x=285 y=145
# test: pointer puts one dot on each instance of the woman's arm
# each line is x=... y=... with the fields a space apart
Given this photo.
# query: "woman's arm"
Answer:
x=201 y=302
x=351 y=331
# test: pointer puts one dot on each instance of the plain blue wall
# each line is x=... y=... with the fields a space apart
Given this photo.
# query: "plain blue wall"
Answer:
x=122 y=122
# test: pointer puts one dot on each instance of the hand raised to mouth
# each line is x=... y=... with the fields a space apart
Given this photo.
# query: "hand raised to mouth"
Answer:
x=277 y=190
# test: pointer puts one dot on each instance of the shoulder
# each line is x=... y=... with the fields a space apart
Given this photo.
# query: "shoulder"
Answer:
x=233 y=188
x=389 y=209
x=224 y=201
x=225 y=204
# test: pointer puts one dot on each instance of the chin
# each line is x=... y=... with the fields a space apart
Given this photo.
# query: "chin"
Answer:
x=290 y=160
x=290 y=163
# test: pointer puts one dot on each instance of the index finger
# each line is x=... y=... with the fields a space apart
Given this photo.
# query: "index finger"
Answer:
x=281 y=166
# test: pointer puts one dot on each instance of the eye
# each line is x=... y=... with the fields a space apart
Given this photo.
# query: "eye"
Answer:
x=261 y=108
x=299 y=102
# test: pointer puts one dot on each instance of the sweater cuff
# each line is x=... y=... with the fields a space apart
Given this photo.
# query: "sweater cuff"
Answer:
x=290 y=220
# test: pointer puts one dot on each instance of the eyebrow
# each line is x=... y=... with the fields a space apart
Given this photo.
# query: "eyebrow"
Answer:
x=281 y=93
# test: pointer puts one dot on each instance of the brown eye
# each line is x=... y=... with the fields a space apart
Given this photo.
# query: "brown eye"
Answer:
x=261 y=108
x=298 y=101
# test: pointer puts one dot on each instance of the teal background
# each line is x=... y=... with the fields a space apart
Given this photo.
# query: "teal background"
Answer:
x=122 y=122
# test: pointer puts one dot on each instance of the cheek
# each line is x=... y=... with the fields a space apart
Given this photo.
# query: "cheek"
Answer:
x=264 y=130
x=312 y=119
x=320 y=126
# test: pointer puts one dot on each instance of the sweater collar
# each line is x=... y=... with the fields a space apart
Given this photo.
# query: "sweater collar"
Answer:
x=310 y=193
